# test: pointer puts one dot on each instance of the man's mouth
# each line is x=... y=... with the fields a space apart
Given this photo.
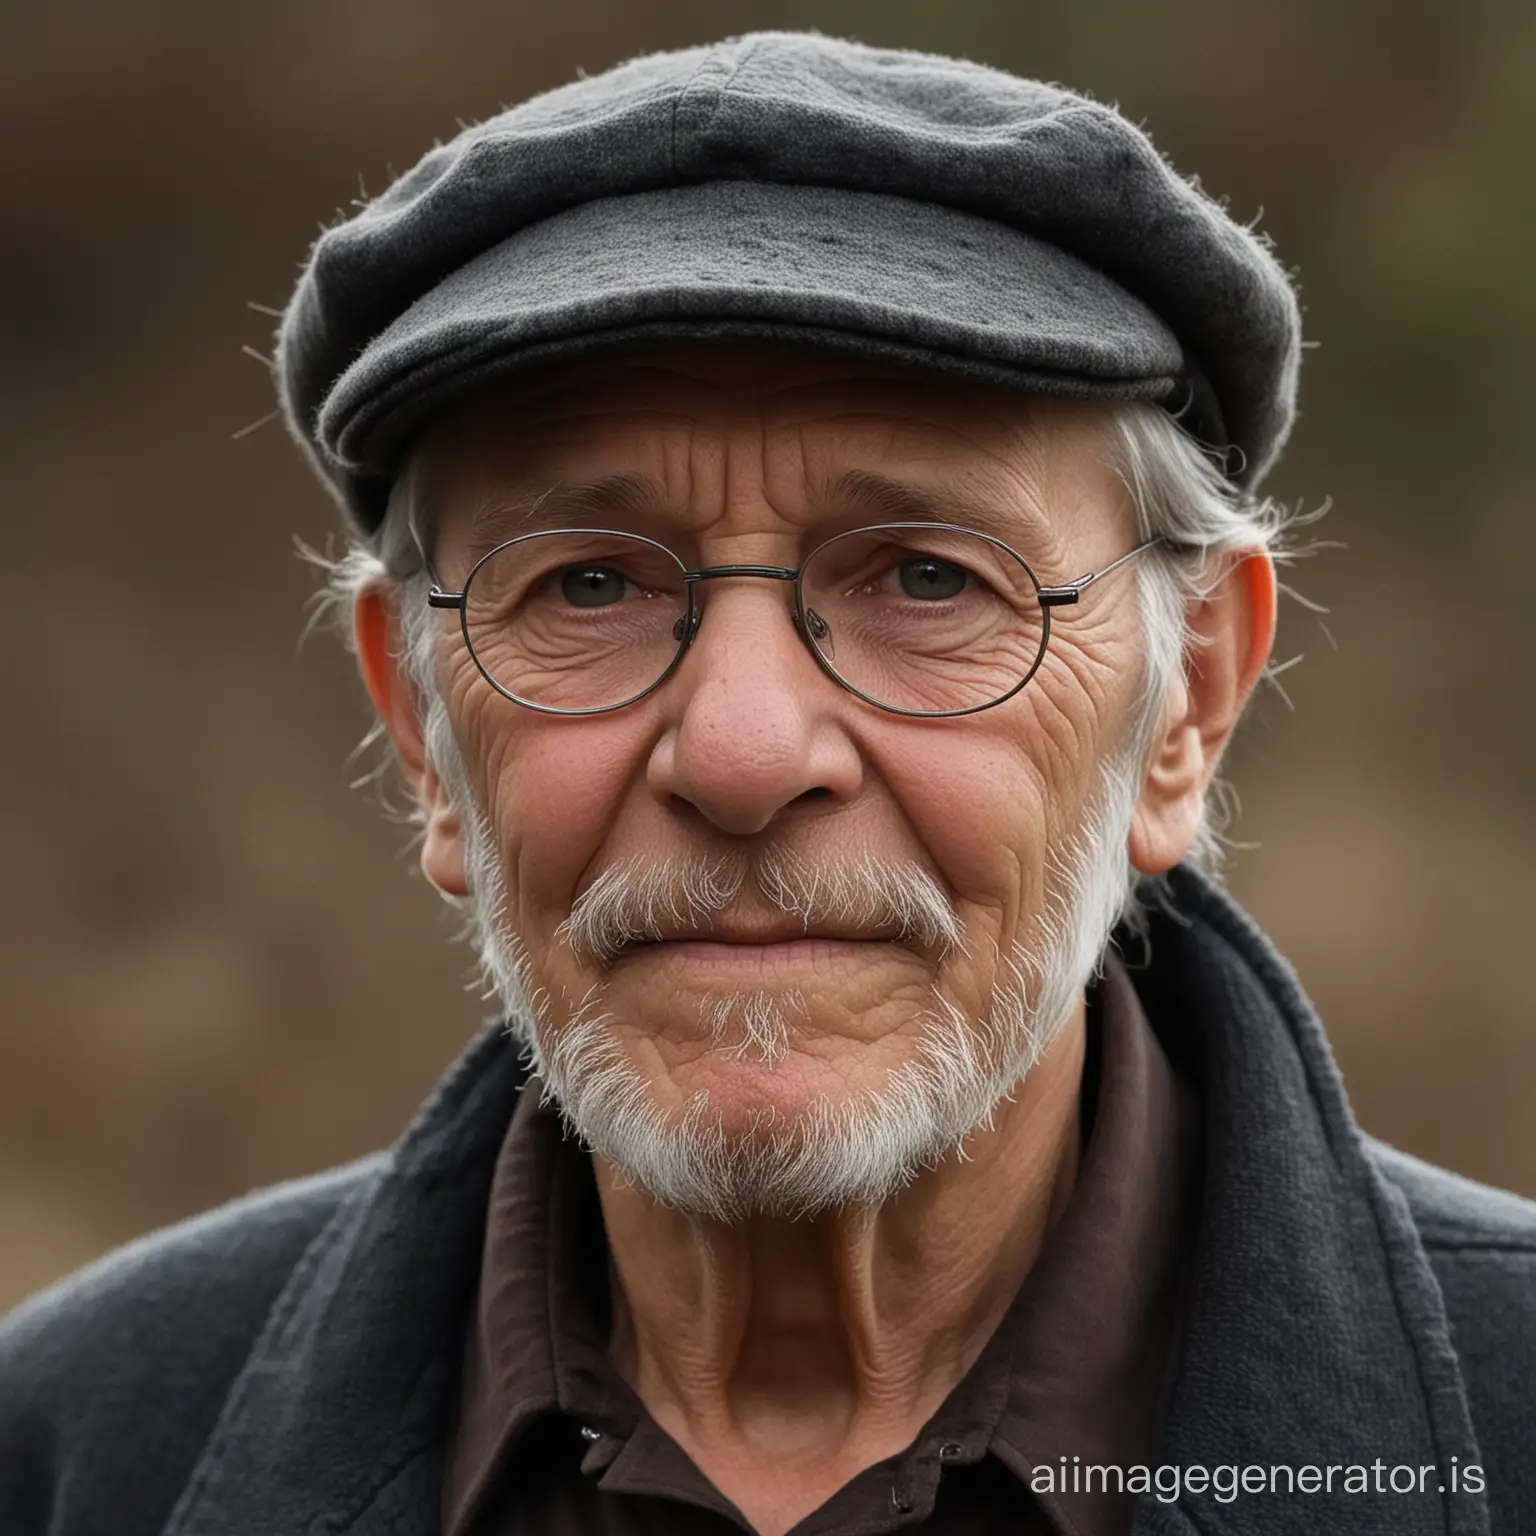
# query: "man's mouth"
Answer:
x=759 y=948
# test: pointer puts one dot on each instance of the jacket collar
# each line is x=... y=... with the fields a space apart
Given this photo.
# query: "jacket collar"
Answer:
x=1315 y=1333
x=335 y=1421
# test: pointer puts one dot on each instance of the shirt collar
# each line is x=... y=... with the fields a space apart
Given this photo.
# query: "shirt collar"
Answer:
x=1095 y=1325
x=536 y=1341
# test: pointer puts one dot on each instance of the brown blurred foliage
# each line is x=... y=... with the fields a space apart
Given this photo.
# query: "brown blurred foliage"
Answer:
x=220 y=969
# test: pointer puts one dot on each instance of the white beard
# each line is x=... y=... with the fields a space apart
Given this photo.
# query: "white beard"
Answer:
x=862 y=1150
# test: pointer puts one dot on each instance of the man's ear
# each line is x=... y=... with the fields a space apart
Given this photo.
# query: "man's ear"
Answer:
x=1232 y=633
x=376 y=630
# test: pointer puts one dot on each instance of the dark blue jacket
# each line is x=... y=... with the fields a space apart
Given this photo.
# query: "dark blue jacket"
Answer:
x=285 y=1364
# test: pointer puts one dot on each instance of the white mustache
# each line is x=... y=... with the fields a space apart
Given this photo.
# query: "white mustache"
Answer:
x=642 y=901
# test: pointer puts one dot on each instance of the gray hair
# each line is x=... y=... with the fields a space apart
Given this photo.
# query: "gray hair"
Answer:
x=1178 y=492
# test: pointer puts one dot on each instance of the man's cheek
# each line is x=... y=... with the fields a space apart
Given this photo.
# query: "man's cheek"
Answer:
x=556 y=799
x=980 y=823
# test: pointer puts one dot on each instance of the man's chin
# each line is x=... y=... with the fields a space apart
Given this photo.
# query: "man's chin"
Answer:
x=734 y=1157
x=727 y=1138
x=739 y=1097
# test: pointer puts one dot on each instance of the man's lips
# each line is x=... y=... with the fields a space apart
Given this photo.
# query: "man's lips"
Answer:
x=754 y=928
x=765 y=956
x=747 y=932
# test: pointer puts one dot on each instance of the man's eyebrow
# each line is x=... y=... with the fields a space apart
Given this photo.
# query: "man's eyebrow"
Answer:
x=566 y=504
x=866 y=492
x=636 y=497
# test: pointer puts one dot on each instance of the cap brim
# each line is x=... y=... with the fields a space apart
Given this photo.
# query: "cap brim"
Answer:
x=859 y=272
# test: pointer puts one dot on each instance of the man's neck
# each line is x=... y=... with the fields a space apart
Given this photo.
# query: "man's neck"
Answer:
x=824 y=1345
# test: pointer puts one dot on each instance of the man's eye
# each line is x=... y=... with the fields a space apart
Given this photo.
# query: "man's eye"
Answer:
x=591 y=586
x=929 y=579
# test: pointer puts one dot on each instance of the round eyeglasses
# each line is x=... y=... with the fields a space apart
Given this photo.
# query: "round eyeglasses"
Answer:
x=916 y=618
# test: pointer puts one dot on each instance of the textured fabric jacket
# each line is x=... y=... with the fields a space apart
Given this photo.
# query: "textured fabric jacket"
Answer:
x=286 y=1364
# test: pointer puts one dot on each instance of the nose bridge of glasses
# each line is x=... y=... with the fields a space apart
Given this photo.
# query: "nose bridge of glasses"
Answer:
x=687 y=627
x=765 y=572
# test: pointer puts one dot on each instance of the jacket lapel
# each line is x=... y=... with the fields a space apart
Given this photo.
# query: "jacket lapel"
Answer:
x=1315 y=1335
x=337 y=1419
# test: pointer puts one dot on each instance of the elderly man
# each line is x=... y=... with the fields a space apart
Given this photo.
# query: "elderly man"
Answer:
x=809 y=566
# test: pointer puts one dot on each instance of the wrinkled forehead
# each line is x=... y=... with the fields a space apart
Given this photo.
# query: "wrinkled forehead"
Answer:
x=672 y=440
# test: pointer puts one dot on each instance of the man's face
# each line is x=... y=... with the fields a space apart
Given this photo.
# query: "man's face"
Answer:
x=750 y=759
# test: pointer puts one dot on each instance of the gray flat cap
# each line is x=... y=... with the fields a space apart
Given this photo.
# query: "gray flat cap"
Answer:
x=791 y=187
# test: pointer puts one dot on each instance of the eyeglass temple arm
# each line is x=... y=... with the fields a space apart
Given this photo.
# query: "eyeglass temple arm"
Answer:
x=436 y=596
x=1065 y=596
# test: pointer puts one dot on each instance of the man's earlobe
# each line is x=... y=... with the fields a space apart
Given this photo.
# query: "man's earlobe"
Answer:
x=1167 y=811
x=442 y=846
x=1232 y=631
x=376 y=630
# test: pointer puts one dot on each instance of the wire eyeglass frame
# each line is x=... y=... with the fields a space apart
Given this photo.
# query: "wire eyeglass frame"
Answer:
x=805 y=620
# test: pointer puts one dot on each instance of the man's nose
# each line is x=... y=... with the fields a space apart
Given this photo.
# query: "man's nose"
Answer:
x=754 y=723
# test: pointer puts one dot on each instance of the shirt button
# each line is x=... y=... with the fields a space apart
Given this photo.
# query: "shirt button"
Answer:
x=950 y=1451
x=590 y=1435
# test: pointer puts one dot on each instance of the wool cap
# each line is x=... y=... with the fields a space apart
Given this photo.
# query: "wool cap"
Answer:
x=790 y=187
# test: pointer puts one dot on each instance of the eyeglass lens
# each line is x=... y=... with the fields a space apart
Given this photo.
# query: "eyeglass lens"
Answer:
x=919 y=619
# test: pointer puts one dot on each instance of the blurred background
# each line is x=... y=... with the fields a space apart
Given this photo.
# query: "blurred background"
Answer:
x=219 y=968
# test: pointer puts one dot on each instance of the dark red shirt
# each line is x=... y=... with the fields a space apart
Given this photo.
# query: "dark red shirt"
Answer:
x=549 y=1438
